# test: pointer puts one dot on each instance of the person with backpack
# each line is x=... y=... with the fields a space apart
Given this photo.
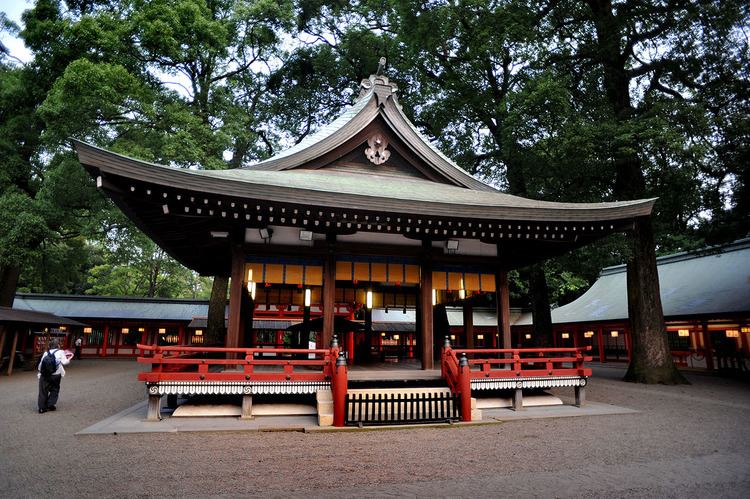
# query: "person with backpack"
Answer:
x=51 y=372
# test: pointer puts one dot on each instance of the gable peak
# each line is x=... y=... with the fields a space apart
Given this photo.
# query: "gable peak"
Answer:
x=378 y=85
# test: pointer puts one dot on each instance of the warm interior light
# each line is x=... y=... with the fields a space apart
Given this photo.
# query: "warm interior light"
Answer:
x=461 y=294
x=434 y=297
x=733 y=333
x=199 y=332
x=87 y=330
x=250 y=275
x=588 y=334
x=62 y=328
x=368 y=301
x=528 y=336
x=141 y=329
x=566 y=335
x=125 y=330
x=395 y=336
x=382 y=334
x=162 y=330
x=308 y=297
x=683 y=332
x=745 y=329
x=453 y=337
x=480 y=336
x=614 y=334
x=251 y=288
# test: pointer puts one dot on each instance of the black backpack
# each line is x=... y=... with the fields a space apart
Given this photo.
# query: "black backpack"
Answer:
x=48 y=366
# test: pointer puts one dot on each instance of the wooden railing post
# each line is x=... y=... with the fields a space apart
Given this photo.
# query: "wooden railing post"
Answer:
x=464 y=377
x=340 y=386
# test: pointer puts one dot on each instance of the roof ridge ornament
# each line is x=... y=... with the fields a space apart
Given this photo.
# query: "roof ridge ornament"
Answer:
x=379 y=85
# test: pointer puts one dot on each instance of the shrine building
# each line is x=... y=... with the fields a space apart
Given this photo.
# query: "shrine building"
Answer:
x=366 y=213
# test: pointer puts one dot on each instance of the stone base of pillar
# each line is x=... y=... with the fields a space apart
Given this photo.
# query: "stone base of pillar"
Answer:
x=154 y=408
x=517 y=399
x=580 y=396
x=247 y=407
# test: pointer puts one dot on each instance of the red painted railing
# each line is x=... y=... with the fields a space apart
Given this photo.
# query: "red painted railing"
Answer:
x=179 y=363
x=460 y=366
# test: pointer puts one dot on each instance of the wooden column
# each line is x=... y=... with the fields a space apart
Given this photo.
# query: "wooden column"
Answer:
x=468 y=310
x=503 y=308
x=426 y=311
x=329 y=297
x=105 y=341
x=708 y=347
x=600 y=341
x=3 y=330
x=236 y=289
x=12 y=353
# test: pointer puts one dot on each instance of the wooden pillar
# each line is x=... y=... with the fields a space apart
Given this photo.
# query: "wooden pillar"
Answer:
x=329 y=297
x=236 y=289
x=600 y=341
x=708 y=347
x=426 y=311
x=181 y=335
x=105 y=341
x=468 y=310
x=12 y=353
x=3 y=330
x=503 y=308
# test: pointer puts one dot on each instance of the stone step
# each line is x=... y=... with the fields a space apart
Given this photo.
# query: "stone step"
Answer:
x=218 y=410
x=532 y=400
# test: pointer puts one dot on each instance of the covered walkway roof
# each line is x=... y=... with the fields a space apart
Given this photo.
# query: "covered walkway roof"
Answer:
x=711 y=282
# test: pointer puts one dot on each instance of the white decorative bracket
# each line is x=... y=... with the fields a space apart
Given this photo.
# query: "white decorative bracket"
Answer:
x=377 y=153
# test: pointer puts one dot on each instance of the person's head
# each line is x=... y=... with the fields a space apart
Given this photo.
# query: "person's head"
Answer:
x=54 y=343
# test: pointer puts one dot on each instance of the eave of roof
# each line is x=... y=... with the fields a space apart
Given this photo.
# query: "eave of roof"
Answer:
x=357 y=191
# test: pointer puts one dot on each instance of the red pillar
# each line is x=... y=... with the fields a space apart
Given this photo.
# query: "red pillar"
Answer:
x=105 y=341
x=181 y=335
x=340 y=387
x=503 y=308
x=468 y=311
x=708 y=347
x=425 y=310
x=600 y=341
x=329 y=298
x=465 y=383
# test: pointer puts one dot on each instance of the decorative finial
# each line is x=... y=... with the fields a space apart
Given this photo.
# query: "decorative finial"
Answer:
x=447 y=343
x=334 y=341
x=463 y=361
x=381 y=66
x=341 y=360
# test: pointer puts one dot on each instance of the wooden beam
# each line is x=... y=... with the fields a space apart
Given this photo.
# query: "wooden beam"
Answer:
x=426 y=311
x=329 y=297
x=503 y=308
x=236 y=287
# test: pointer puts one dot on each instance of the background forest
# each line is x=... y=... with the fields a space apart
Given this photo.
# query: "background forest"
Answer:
x=548 y=99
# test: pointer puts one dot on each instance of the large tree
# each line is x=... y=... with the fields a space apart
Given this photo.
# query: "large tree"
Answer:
x=645 y=61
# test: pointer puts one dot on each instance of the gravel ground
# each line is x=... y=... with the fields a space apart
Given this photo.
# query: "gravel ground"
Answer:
x=685 y=441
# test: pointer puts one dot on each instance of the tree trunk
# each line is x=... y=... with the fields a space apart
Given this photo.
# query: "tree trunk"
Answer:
x=651 y=357
x=216 y=327
x=540 y=310
x=651 y=360
x=8 y=284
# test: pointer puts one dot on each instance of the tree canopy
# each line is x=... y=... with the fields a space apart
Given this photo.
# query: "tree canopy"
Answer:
x=549 y=99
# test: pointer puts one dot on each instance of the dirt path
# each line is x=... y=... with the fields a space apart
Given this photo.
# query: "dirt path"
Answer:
x=685 y=441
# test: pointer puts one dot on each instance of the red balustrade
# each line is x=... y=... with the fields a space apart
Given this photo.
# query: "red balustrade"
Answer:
x=460 y=366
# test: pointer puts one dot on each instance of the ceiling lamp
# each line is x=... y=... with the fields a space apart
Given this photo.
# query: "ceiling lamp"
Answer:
x=683 y=332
